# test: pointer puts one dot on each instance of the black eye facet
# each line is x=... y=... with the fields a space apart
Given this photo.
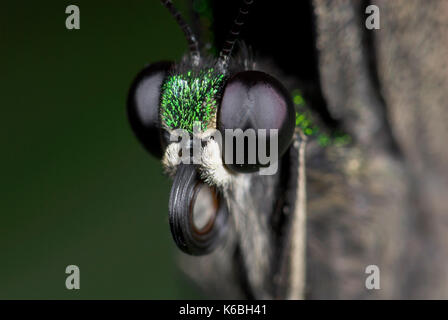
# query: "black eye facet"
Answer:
x=256 y=100
x=143 y=106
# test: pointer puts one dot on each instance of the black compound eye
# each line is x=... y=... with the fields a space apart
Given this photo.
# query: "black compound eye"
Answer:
x=143 y=106
x=255 y=100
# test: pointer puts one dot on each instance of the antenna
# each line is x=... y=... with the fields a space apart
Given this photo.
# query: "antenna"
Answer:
x=193 y=44
x=234 y=33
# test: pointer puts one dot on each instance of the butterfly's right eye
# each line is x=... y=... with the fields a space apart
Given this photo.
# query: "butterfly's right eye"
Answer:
x=143 y=106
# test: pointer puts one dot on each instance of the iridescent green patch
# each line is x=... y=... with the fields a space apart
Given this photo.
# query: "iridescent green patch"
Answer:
x=190 y=97
x=305 y=123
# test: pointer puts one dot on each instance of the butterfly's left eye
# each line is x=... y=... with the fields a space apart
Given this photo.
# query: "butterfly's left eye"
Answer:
x=255 y=100
x=143 y=106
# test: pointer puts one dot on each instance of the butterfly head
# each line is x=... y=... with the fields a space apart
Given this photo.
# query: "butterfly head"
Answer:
x=205 y=98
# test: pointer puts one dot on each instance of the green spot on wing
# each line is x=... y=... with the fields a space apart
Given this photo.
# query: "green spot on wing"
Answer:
x=305 y=123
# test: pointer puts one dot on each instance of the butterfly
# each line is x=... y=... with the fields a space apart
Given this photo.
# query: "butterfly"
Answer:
x=245 y=226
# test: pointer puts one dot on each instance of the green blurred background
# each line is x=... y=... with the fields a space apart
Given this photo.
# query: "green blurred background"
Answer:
x=77 y=188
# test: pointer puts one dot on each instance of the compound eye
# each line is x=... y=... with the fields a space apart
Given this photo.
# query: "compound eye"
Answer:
x=255 y=100
x=143 y=106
